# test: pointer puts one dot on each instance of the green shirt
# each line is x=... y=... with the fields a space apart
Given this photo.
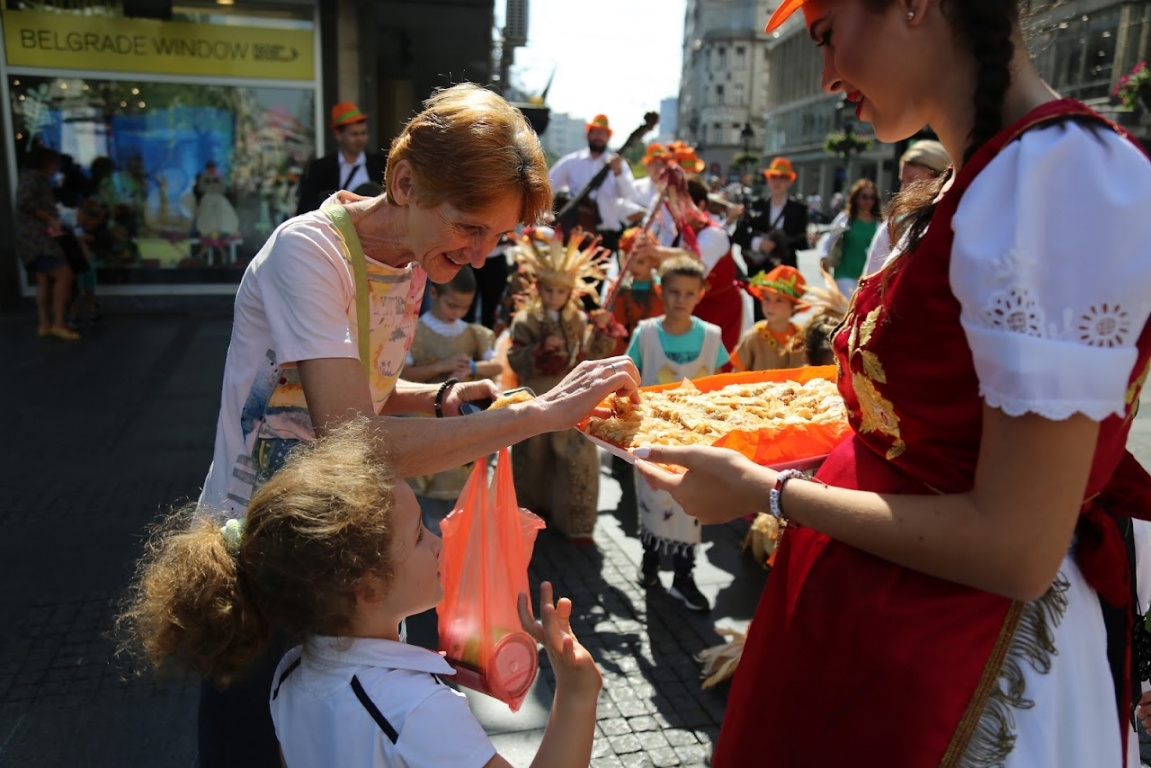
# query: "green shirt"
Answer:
x=856 y=242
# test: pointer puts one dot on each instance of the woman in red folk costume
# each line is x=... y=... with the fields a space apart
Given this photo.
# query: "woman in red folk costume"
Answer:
x=950 y=595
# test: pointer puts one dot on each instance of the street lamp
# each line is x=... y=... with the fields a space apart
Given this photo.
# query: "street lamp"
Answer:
x=746 y=136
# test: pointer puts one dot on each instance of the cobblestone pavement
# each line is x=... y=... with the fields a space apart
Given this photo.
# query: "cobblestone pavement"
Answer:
x=101 y=434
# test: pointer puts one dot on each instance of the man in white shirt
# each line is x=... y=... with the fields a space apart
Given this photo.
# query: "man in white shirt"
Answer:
x=613 y=208
x=350 y=167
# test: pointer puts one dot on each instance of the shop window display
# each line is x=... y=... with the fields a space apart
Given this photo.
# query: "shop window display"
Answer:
x=193 y=177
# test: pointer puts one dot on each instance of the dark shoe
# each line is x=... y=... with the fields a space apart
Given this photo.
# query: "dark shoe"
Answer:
x=683 y=588
x=649 y=571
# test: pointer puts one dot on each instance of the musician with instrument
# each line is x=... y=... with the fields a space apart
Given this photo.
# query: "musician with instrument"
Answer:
x=775 y=228
x=350 y=167
x=600 y=183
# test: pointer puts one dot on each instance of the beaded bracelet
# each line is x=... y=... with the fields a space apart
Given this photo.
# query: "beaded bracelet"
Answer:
x=774 y=497
x=440 y=396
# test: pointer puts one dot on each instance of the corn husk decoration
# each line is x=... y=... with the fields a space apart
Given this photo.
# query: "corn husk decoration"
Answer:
x=579 y=265
x=719 y=662
x=762 y=538
x=828 y=301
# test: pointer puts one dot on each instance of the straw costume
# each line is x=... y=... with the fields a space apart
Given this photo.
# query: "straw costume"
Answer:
x=557 y=474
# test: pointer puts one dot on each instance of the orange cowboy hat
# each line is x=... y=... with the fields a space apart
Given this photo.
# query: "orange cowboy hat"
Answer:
x=785 y=9
x=779 y=167
x=599 y=121
x=657 y=151
x=346 y=113
x=782 y=281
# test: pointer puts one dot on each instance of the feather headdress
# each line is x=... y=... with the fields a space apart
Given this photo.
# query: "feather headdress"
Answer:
x=547 y=260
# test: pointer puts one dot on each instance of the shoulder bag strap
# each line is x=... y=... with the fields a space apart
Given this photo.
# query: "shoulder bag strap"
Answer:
x=338 y=215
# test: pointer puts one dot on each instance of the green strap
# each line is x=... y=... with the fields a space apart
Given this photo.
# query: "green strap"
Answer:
x=338 y=215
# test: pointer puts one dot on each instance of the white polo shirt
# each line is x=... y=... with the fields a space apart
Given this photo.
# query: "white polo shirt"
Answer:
x=358 y=702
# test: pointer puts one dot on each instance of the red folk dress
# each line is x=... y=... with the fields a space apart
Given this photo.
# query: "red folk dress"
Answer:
x=852 y=659
x=722 y=303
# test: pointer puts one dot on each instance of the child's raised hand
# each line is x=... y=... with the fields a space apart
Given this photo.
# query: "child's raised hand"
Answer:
x=576 y=670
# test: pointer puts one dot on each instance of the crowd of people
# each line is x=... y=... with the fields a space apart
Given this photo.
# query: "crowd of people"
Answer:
x=958 y=581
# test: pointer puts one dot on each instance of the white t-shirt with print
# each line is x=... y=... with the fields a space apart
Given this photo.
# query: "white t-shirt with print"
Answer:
x=297 y=301
x=364 y=702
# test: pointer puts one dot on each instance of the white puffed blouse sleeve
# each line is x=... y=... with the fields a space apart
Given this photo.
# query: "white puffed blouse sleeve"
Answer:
x=1051 y=263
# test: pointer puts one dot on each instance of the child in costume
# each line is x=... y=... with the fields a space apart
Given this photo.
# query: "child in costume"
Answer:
x=774 y=342
x=558 y=473
x=445 y=346
x=333 y=551
x=665 y=349
x=638 y=297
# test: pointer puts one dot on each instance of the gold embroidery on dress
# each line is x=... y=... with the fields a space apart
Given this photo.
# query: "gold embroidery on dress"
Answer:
x=877 y=413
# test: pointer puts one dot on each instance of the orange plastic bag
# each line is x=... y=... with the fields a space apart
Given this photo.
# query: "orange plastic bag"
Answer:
x=488 y=542
x=791 y=444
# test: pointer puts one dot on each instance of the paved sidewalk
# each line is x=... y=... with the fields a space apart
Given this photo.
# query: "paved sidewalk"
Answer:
x=102 y=434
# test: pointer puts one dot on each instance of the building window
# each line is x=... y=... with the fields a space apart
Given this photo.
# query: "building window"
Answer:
x=719 y=94
x=740 y=57
x=717 y=132
x=738 y=94
x=146 y=149
x=721 y=57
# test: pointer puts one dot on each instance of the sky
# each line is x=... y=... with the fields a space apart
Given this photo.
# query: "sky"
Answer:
x=615 y=57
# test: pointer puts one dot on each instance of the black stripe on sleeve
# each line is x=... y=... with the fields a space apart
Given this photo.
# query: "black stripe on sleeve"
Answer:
x=284 y=676
x=369 y=705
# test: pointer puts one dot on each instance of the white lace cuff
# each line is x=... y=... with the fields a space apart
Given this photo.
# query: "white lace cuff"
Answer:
x=1052 y=378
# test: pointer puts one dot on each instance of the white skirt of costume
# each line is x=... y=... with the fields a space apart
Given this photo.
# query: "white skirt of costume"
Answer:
x=1072 y=722
x=663 y=521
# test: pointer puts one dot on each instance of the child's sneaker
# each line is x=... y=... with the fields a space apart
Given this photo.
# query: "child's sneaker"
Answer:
x=683 y=588
x=649 y=571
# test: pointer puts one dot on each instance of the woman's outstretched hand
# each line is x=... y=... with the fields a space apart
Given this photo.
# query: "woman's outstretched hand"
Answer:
x=720 y=484
x=576 y=397
x=576 y=672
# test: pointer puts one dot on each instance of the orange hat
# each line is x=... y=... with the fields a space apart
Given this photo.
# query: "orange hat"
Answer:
x=782 y=281
x=599 y=121
x=657 y=152
x=685 y=157
x=780 y=166
x=785 y=9
x=346 y=113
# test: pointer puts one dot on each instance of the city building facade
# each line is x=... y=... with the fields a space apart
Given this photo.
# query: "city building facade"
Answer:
x=724 y=86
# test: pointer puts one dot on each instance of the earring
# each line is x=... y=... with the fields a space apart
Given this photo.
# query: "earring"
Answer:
x=911 y=15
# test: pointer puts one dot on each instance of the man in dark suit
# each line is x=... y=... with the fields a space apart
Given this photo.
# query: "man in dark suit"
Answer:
x=348 y=168
x=775 y=227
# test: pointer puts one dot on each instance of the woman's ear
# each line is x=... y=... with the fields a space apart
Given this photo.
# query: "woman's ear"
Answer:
x=400 y=183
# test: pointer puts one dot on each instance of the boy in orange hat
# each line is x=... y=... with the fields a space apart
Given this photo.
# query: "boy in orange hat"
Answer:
x=775 y=341
x=350 y=167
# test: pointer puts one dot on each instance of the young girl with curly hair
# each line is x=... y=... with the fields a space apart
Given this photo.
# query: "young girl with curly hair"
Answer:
x=333 y=552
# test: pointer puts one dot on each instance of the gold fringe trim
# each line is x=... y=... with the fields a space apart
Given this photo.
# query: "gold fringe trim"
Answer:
x=986 y=733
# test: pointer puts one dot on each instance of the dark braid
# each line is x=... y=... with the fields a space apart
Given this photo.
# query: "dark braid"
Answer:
x=986 y=26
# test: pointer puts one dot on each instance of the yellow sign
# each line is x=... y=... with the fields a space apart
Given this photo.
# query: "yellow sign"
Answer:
x=66 y=41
